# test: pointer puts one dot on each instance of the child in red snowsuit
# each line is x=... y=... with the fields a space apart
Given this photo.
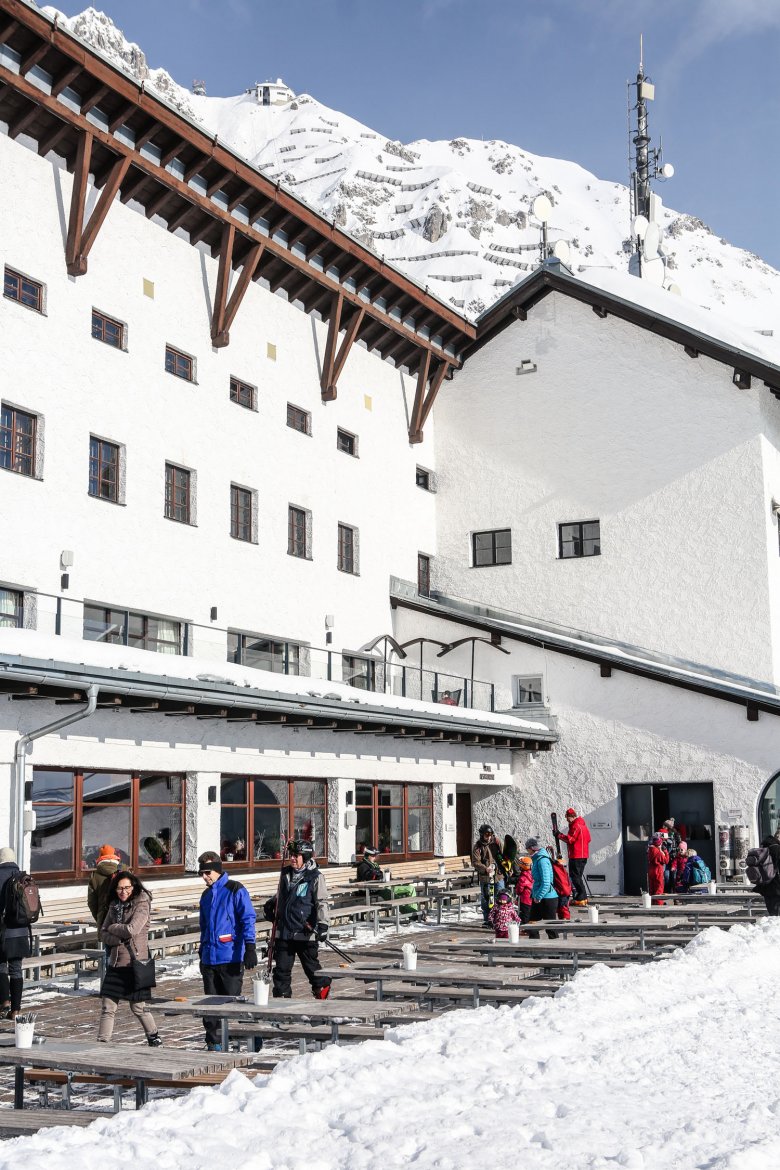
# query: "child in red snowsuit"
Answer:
x=523 y=889
x=657 y=860
x=502 y=914
x=562 y=883
x=677 y=865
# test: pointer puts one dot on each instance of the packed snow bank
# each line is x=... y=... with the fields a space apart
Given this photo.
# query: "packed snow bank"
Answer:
x=623 y=1068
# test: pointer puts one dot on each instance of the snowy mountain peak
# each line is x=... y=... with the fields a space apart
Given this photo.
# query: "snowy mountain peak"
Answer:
x=455 y=216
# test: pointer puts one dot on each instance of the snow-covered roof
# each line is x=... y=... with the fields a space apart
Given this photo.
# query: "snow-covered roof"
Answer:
x=52 y=663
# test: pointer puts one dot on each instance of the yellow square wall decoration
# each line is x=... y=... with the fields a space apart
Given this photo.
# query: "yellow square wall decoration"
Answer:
x=271 y=351
x=368 y=402
x=149 y=288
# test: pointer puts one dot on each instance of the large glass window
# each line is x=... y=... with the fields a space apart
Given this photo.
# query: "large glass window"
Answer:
x=11 y=608
x=769 y=809
x=582 y=539
x=125 y=628
x=264 y=653
x=17 y=440
x=265 y=812
x=103 y=469
x=140 y=813
x=358 y=672
x=396 y=819
x=492 y=548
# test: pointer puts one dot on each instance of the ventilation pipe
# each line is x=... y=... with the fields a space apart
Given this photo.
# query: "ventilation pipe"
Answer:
x=20 y=759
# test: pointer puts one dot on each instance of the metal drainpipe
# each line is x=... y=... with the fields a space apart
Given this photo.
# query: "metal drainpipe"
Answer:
x=20 y=759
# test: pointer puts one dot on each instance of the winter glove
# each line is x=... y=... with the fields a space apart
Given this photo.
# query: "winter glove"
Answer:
x=321 y=932
x=269 y=909
x=250 y=956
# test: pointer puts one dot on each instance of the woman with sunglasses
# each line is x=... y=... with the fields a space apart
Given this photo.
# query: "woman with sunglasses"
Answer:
x=125 y=931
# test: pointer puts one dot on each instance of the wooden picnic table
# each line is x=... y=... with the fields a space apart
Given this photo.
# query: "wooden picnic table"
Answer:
x=588 y=948
x=451 y=974
x=116 y=1061
x=332 y=1011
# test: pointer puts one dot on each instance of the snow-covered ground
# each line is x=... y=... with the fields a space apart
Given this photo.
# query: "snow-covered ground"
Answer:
x=671 y=1063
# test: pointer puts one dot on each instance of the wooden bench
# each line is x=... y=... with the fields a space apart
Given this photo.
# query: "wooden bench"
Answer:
x=20 y=1122
x=474 y=997
x=45 y=1078
x=54 y=960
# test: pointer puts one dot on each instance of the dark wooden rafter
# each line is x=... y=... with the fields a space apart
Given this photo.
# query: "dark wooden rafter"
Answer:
x=82 y=236
x=245 y=277
x=423 y=401
x=63 y=81
x=130 y=190
x=121 y=116
x=32 y=57
x=181 y=215
x=7 y=29
x=97 y=95
x=334 y=325
x=22 y=122
x=339 y=358
x=52 y=138
x=219 y=336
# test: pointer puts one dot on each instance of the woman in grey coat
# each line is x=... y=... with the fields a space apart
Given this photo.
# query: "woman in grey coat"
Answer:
x=125 y=931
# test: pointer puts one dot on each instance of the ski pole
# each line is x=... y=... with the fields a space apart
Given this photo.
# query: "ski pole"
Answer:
x=339 y=951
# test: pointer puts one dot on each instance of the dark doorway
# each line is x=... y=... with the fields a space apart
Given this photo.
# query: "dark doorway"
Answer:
x=463 y=832
x=644 y=808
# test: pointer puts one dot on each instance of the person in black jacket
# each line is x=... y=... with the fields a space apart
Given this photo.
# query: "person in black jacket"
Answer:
x=770 y=891
x=368 y=870
x=15 y=944
x=302 y=921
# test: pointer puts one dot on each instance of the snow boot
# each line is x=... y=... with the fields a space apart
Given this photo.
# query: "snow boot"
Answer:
x=322 y=992
x=154 y=1040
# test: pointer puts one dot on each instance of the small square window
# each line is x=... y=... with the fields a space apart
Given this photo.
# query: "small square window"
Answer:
x=178 y=494
x=242 y=513
x=20 y=288
x=346 y=442
x=181 y=365
x=528 y=690
x=108 y=330
x=581 y=539
x=298 y=420
x=103 y=470
x=243 y=394
x=423 y=479
x=492 y=548
x=347 y=560
x=17 y=440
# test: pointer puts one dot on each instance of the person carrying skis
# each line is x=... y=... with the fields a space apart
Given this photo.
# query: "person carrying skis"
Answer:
x=544 y=900
x=302 y=917
x=657 y=861
x=485 y=857
x=368 y=869
x=502 y=914
x=227 y=937
x=577 y=844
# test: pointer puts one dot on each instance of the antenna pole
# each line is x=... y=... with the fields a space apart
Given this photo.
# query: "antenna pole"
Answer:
x=641 y=145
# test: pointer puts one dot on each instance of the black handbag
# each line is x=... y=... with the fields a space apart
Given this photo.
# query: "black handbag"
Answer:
x=144 y=971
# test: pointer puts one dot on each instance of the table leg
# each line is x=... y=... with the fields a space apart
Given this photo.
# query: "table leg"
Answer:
x=378 y=992
x=475 y=996
x=225 y=1037
x=334 y=1031
x=141 y=1092
x=19 y=1087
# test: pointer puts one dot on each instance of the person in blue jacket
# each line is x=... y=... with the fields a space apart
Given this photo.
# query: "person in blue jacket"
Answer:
x=544 y=899
x=227 y=937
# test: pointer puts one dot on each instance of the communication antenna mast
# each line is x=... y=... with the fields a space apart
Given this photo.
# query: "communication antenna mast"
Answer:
x=645 y=164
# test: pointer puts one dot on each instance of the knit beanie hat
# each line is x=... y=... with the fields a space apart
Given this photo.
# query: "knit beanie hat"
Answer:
x=570 y=813
x=209 y=860
x=6 y=855
x=107 y=853
x=532 y=843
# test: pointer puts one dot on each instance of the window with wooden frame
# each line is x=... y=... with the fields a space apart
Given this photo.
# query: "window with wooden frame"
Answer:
x=347 y=556
x=243 y=394
x=298 y=533
x=423 y=575
x=260 y=813
x=241 y=513
x=492 y=548
x=107 y=330
x=396 y=819
x=11 y=608
x=123 y=627
x=181 y=365
x=140 y=813
x=103 y=469
x=178 y=494
x=22 y=289
x=581 y=539
x=346 y=442
x=17 y=440
x=298 y=419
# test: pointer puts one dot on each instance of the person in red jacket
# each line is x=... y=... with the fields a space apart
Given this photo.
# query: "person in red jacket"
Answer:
x=523 y=889
x=577 y=843
x=657 y=861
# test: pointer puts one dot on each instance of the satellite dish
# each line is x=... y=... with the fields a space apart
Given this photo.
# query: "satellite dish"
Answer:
x=653 y=271
x=674 y=288
x=541 y=207
x=651 y=242
x=666 y=171
x=640 y=226
x=562 y=251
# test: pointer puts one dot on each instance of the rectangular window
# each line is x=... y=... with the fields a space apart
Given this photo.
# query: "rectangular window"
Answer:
x=422 y=477
x=423 y=575
x=241 y=513
x=107 y=330
x=20 y=288
x=243 y=394
x=358 y=672
x=528 y=690
x=122 y=627
x=347 y=561
x=11 y=608
x=582 y=539
x=259 y=813
x=264 y=653
x=103 y=469
x=396 y=819
x=346 y=442
x=179 y=364
x=492 y=548
x=17 y=440
x=296 y=532
x=299 y=420
x=141 y=813
x=178 y=482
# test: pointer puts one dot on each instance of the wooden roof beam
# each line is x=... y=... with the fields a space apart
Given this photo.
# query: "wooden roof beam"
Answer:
x=202 y=230
x=423 y=401
x=218 y=336
x=8 y=29
x=159 y=201
x=237 y=200
x=130 y=189
x=80 y=237
x=195 y=167
x=178 y=219
x=51 y=139
x=121 y=117
x=297 y=286
x=337 y=365
x=22 y=122
x=94 y=98
x=32 y=57
x=65 y=78
x=250 y=267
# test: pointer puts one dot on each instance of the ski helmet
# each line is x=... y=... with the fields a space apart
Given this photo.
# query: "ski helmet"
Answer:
x=304 y=849
x=485 y=829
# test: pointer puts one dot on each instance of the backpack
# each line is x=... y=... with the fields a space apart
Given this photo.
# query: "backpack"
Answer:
x=561 y=880
x=700 y=872
x=22 y=906
x=760 y=866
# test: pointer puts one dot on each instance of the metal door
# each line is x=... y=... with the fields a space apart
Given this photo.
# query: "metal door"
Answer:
x=636 y=807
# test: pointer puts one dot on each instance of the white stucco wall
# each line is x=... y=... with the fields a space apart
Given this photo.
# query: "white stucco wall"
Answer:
x=622 y=426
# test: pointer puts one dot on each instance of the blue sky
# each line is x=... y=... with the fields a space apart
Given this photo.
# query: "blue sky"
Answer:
x=547 y=75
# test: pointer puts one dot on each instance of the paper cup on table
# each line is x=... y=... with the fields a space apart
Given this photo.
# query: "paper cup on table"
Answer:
x=386 y=875
x=23 y=1034
x=442 y=869
x=409 y=953
x=647 y=901
x=713 y=887
x=593 y=913
x=514 y=932
x=260 y=990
